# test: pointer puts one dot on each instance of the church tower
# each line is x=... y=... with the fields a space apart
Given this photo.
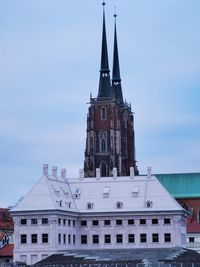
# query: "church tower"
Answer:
x=110 y=141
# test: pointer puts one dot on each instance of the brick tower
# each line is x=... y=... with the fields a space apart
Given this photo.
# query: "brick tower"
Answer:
x=110 y=140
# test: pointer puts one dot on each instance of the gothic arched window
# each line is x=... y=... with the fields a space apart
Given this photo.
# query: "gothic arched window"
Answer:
x=103 y=145
x=103 y=169
x=103 y=113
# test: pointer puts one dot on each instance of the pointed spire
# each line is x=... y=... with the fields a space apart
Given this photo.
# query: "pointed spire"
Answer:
x=104 y=81
x=104 y=50
x=116 y=79
x=116 y=69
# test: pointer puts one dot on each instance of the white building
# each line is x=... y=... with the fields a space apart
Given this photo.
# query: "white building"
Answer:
x=93 y=213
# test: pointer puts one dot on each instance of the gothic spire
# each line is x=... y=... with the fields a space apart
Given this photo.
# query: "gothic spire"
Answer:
x=116 y=79
x=104 y=81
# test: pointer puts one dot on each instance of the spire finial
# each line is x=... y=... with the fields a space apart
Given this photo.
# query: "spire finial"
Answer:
x=115 y=13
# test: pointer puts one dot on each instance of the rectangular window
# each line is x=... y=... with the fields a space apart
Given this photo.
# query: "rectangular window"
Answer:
x=23 y=239
x=154 y=221
x=34 y=238
x=191 y=239
x=142 y=221
x=83 y=223
x=107 y=222
x=95 y=223
x=95 y=239
x=74 y=239
x=64 y=222
x=44 y=220
x=167 y=221
x=33 y=221
x=119 y=239
x=131 y=238
x=143 y=238
x=69 y=222
x=155 y=238
x=59 y=221
x=167 y=237
x=45 y=238
x=83 y=239
x=23 y=221
x=130 y=222
x=59 y=238
x=74 y=222
x=69 y=239
x=64 y=238
x=118 y=222
x=107 y=239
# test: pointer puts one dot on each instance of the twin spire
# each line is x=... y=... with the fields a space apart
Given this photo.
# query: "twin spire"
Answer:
x=106 y=90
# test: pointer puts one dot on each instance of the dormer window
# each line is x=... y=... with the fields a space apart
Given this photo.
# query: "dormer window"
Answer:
x=135 y=191
x=56 y=191
x=119 y=205
x=106 y=192
x=77 y=193
x=148 y=204
x=103 y=113
x=90 y=205
x=66 y=194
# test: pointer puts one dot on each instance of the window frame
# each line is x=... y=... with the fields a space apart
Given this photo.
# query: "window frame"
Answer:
x=23 y=239
x=143 y=238
x=83 y=239
x=34 y=238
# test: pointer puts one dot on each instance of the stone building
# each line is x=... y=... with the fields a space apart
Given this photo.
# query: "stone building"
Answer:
x=60 y=214
x=110 y=139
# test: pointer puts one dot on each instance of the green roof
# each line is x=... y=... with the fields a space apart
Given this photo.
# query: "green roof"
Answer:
x=181 y=185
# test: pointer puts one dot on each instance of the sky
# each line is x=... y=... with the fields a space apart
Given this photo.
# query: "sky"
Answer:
x=49 y=65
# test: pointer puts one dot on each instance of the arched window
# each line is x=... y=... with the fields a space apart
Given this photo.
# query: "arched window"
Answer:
x=103 y=113
x=103 y=168
x=103 y=145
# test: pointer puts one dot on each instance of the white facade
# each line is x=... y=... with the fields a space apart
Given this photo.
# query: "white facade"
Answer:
x=94 y=213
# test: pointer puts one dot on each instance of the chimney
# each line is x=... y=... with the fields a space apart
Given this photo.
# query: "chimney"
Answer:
x=63 y=173
x=81 y=174
x=97 y=173
x=149 y=172
x=132 y=172
x=45 y=169
x=54 y=171
x=114 y=173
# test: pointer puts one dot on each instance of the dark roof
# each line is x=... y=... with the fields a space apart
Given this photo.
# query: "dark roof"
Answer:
x=124 y=256
x=7 y=251
x=181 y=185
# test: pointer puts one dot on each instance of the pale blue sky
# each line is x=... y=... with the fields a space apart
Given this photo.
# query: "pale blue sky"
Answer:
x=49 y=64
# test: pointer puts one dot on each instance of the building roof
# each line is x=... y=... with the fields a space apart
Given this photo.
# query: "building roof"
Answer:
x=98 y=195
x=181 y=185
x=123 y=257
x=7 y=251
x=6 y=222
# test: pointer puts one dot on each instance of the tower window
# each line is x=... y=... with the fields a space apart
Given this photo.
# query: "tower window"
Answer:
x=103 y=142
x=103 y=145
x=103 y=113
